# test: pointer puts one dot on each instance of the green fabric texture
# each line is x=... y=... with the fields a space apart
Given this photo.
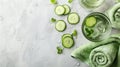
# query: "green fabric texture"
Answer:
x=114 y=14
x=117 y=0
x=100 y=54
x=103 y=56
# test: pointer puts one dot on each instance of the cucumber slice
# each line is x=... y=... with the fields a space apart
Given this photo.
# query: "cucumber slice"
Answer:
x=67 y=9
x=67 y=42
x=59 y=10
x=91 y=21
x=73 y=18
x=60 y=25
x=66 y=35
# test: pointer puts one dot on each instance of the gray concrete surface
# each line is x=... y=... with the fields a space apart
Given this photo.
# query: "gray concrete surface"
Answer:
x=29 y=39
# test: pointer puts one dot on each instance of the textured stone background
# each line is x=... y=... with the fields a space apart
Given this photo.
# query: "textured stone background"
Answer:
x=29 y=39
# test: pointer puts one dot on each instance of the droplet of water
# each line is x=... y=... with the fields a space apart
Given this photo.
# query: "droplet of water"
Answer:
x=1 y=18
x=78 y=64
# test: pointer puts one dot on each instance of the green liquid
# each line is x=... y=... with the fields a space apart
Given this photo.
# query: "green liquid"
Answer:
x=91 y=3
x=99 y=31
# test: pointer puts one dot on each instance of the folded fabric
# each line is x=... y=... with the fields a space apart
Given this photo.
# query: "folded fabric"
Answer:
x=117 y=0
x=114 y=15
x=98 y=54
x=118 y=58
x=103 y=56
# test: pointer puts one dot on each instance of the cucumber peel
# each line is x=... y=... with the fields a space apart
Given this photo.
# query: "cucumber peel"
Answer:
x=66 y=35
x=62 y=9
x=67 y=9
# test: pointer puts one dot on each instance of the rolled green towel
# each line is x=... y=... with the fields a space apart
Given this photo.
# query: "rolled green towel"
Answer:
x=117 y=0
x=103 y=56
x=114 y=15
x=83 y=52
x=118 y=58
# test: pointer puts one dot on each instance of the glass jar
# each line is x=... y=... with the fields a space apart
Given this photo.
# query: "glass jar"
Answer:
x=96 y=27
x=92 y=5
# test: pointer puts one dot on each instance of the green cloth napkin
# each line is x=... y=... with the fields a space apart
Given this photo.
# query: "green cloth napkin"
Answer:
x=114 y=14
x=103 y=56
x=117 y=0
x=100 y=54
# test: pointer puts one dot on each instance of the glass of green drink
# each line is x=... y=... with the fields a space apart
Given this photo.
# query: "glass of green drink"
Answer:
x=96 y=27
x=91 y=4
x=117 y=0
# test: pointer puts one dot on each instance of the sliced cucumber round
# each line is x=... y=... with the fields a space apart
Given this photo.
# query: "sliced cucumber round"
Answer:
x=67 y=9
x=59 y=10
x=67 y=42
x=90 y=21
x=73 y=18
x=66 y=35
x=60 y=25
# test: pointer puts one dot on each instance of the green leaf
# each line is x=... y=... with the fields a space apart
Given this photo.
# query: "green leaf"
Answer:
x=59 y=50
x=53 y=1
x=74 y=33
x=70 y=1
x=89 y=31
x=53 y=20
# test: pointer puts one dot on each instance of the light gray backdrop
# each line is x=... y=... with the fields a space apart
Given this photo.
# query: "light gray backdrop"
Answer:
x=29 y=39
